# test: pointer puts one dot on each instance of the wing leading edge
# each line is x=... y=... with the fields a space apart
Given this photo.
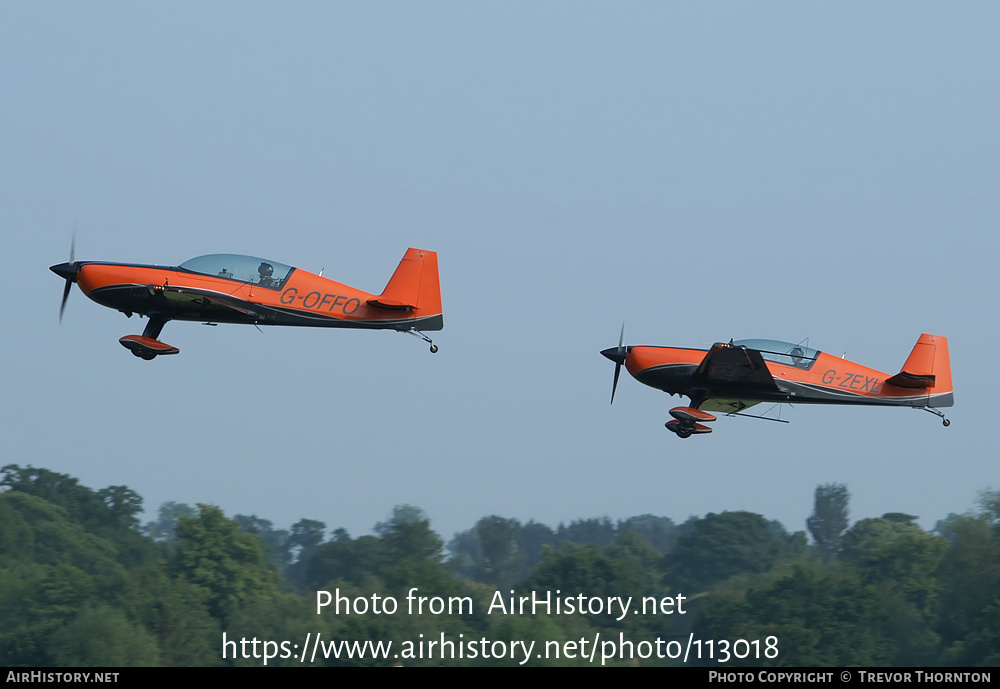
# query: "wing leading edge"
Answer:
x=202 y=298
x=734 y=366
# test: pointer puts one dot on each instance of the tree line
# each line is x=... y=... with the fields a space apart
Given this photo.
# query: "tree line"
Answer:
x=84 y=583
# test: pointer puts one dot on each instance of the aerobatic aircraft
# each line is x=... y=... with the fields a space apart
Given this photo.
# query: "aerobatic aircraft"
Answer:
x=230 y=288
x=731 y=377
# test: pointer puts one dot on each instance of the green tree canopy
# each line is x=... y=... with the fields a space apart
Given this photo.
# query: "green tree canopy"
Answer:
x=828 y=520
x=231 y=566
x=723 y=545
x=813 y=619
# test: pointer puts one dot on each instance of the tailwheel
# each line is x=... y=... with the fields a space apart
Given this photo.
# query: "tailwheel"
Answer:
x=944 y=419
x=417 y=333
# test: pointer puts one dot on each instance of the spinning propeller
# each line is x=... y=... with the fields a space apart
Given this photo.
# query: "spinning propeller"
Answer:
x=617 y=355
x=68 y=271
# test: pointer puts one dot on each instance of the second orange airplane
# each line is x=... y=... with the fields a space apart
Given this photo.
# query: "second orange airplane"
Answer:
x=732 y=377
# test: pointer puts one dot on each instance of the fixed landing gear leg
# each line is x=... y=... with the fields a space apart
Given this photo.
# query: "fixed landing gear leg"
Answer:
x=417 y=333
x=944 y=420
x=154 y=326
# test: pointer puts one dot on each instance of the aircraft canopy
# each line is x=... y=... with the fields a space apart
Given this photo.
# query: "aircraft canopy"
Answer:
x=787 y=353
x=246 y=269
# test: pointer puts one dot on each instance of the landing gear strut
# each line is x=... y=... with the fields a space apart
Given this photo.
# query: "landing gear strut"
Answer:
x=154 y=326
x=417 y=333
x=944 y=420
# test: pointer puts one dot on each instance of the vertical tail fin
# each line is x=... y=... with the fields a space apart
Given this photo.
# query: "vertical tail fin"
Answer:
x=928 y=367
x=414 y=287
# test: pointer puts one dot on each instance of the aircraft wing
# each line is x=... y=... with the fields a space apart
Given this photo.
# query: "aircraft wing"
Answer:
x=736 y=366
x=727 y=406
x=201 y=298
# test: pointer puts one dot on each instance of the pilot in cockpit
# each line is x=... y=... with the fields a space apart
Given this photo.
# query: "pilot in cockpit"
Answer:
x=266 y=270
x=797 y=357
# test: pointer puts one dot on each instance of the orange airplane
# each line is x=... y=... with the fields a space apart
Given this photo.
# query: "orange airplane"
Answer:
x=229 y=288
x=732 y=377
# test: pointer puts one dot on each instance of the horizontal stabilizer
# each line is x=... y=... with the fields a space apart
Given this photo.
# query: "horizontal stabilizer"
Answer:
x=908 y=380
x=390 y=304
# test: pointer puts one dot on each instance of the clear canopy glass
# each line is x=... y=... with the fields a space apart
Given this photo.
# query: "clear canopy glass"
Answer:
x=786 y=353
x=246 y=269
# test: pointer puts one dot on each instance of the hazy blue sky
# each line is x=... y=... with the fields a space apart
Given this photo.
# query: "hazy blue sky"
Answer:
x=700 y=171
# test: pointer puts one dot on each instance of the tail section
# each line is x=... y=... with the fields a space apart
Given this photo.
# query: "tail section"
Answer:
x=414 y=287
x=928 y=368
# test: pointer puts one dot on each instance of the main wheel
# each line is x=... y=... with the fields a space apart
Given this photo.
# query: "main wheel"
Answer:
x=946 y=422
x=434 y=349
x=683 y=434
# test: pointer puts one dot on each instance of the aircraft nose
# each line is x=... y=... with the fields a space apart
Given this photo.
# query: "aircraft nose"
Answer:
x=616 y=354
x=67 y=271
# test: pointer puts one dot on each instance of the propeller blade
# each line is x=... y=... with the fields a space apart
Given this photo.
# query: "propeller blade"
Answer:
x=62 y=306
x=68 y=271
x=614 y=386
x=618 y=356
